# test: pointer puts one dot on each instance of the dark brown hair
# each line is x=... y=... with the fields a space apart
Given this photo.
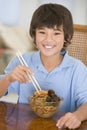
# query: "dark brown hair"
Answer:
x=50 y=15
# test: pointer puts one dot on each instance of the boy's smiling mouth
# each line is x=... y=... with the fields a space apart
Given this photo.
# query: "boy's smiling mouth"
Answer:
x=49 y=46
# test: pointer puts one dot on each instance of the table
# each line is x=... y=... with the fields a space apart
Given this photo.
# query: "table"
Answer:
x=21 y=117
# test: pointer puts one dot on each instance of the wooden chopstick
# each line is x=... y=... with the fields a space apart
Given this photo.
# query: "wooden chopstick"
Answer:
x=33 y=79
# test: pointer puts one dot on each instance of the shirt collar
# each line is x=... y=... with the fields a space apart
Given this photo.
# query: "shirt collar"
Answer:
x=67 y=61
x=38 y=62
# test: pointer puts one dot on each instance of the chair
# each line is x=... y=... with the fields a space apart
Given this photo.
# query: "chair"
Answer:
x=78 y=48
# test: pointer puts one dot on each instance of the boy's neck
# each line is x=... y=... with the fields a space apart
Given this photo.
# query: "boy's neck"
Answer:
x=51 y=63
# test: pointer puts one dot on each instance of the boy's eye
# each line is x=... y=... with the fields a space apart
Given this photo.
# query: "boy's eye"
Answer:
x=42 y=32
x=57 y=33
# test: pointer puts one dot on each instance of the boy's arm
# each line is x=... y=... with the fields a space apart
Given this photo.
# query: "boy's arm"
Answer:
x=73 y=120
x=81 y=112
x=4 y=83
x=18 y=74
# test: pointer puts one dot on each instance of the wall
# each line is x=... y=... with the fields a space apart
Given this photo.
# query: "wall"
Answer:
x=27 y=9
x=9 y=12
x=79 y=10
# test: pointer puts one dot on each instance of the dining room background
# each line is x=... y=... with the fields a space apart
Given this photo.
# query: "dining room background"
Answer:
x=15 y=17
x=78 y=9
x=19 y=12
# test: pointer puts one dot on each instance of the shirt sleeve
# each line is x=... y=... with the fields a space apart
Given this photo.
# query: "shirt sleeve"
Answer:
x=15 y=86
x=80 y=82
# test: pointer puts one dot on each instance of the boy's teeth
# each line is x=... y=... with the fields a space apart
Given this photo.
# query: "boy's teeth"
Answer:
x=48 y=47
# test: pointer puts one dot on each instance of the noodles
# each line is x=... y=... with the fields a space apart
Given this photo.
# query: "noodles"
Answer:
x=45 y=104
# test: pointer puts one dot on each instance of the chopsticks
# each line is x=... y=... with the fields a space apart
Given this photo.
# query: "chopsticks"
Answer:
x=32 y=77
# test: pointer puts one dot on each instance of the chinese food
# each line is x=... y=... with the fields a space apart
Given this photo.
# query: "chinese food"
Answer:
x=45 y=103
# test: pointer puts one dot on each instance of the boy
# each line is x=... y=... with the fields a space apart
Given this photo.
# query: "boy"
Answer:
x=52 y=30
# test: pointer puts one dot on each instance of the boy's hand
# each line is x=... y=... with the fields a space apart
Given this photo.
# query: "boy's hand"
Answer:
x=69 y=120
x=20 y=74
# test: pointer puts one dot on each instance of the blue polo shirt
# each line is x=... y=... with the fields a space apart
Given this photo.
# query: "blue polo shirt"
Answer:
x=68 y=80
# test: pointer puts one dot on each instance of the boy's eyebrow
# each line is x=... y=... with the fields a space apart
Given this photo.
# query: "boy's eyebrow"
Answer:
x=40 y=27
x=55 y=29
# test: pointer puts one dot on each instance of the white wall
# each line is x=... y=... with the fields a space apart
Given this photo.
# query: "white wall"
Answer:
x=19 y=12
x=9 y=12
x=27 y=9
x=79 y=10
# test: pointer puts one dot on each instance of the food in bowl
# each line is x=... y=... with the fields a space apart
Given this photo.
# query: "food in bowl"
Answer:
x=45 y=103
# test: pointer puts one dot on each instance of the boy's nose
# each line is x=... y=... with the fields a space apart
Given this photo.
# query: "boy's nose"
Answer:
x=48 y=37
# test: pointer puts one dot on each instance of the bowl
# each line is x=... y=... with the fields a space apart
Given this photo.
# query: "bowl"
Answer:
x=44 y=104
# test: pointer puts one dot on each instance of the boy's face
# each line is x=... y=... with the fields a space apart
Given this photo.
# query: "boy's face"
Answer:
x=50 y=40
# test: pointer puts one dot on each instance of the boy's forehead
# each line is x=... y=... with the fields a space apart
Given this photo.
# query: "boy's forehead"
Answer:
x=54 y=27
